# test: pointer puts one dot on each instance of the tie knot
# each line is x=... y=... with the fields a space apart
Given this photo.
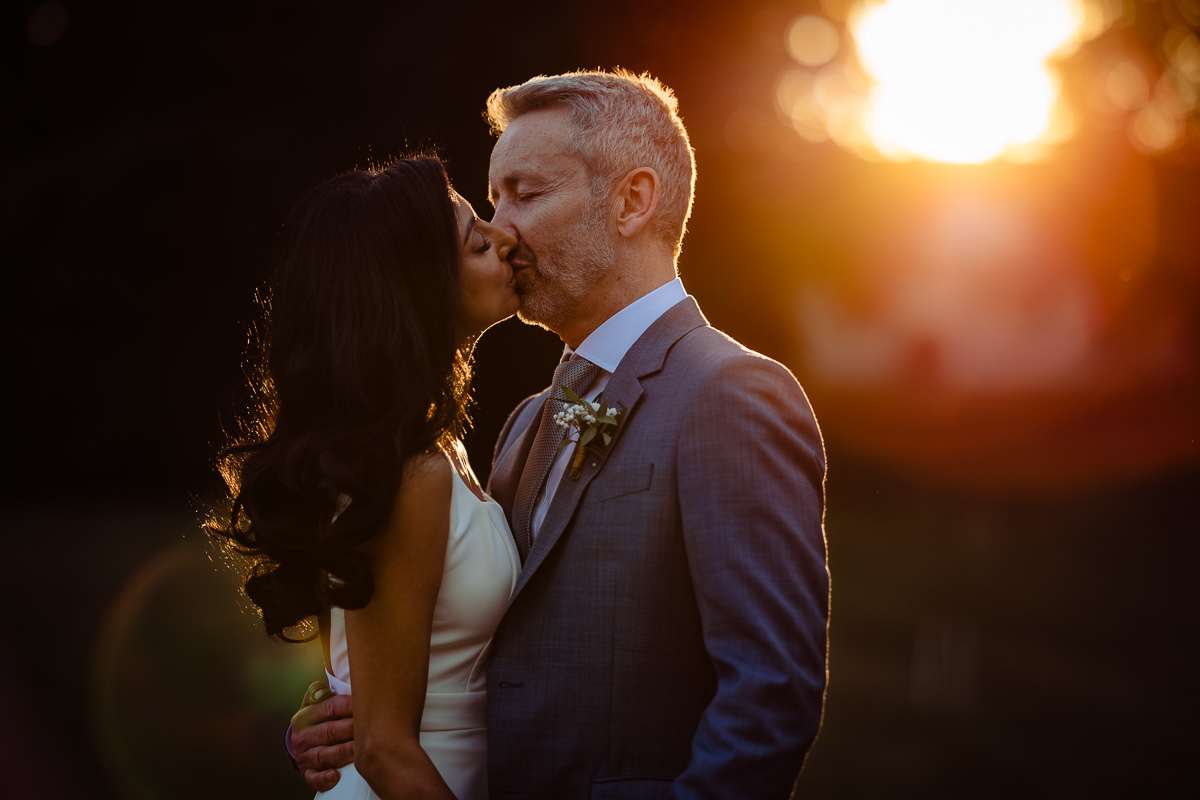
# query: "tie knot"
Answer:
x=577 y=374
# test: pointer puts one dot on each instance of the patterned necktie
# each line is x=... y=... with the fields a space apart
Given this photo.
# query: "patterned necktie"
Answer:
x=578 y=374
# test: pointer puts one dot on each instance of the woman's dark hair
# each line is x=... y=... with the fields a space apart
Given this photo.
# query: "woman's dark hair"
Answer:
x=360 y=371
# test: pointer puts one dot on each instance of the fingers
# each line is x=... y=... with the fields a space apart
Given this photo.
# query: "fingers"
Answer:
x=326 y=734
x=328 y=745
x=323 y=736
x=318 y=764
x=320 y=781
x=335 y=707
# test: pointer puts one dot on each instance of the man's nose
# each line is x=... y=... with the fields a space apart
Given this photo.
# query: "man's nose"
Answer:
x=500 y=218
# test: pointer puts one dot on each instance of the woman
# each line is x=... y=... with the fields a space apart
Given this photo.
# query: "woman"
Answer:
x=351 y=491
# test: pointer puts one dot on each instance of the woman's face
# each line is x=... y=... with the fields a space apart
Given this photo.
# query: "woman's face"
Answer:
x=489 y=291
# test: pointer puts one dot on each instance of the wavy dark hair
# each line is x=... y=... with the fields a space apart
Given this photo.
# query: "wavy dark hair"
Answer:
x=359 y=371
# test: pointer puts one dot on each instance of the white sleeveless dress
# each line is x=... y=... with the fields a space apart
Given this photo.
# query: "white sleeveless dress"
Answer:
x=478 y=578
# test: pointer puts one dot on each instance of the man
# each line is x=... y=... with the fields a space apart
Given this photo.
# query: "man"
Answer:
x=667 y=636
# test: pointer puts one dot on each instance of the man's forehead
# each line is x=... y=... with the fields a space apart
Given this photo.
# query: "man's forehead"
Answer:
x=535 y=134
x=547 y=160
x=514 y=149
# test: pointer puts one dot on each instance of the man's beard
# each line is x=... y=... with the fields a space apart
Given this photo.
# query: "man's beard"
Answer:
x=557 y=282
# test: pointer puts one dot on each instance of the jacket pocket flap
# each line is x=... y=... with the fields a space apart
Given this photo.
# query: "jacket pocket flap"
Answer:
x=608 y=485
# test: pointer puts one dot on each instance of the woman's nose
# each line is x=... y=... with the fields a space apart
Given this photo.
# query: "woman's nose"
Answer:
x=501 y=238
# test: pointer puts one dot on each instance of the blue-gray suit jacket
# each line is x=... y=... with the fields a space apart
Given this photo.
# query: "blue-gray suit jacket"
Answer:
x=667 y=636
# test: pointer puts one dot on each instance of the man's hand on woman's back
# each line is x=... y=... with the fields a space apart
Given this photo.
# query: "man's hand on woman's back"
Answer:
x=322 y=736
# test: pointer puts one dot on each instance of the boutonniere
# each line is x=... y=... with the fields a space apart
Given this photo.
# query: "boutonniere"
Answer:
x=587 y=420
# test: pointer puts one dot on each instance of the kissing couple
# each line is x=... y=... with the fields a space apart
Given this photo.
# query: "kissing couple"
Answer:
x=637 y=604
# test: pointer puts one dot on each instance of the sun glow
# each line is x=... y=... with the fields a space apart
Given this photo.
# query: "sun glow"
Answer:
x=960 y=81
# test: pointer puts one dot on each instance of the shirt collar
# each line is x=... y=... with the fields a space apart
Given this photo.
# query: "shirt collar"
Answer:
x=608 y=344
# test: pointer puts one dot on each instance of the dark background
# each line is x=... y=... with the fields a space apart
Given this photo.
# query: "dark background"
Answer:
x=1013 y=565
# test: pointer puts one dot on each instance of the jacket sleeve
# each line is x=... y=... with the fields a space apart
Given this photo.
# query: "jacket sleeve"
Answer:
x=751 y=469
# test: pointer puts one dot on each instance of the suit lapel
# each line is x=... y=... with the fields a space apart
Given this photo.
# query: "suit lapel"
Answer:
x=506 y=471
x=624 y=390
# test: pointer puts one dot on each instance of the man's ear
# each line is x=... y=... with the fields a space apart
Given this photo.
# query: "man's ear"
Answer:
x=636 y=201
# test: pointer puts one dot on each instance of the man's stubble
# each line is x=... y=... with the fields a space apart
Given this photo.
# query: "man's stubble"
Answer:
x=564 y=273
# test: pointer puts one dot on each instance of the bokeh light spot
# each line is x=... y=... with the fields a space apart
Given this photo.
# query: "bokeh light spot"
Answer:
x=1127 y=86
x=1185 y=55
x=1155 y=128
x=812 y=41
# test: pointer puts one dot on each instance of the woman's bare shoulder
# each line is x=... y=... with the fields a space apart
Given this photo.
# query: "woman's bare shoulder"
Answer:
x=421 y=507
x=430 y=465
x=426 y=476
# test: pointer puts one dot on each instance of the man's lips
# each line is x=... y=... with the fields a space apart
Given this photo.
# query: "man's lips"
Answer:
x=517 y=267
x=520 y=258
x=514 y=272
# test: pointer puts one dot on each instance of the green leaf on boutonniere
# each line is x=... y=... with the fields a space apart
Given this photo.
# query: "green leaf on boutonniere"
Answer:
x=581 y=421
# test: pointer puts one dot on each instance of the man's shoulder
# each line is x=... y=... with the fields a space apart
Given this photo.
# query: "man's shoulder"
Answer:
x=708 y=338
x=709 y=351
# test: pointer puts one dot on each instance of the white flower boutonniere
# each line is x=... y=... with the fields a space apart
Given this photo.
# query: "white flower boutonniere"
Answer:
x=588 y=421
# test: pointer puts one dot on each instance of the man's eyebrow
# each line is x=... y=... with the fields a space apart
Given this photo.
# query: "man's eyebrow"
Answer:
x=512 y=179
x=519 y=176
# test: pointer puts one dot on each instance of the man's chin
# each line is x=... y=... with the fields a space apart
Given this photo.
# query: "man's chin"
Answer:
x=525 y=317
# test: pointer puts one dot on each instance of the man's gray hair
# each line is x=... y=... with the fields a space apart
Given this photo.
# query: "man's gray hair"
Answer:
x=618 y=121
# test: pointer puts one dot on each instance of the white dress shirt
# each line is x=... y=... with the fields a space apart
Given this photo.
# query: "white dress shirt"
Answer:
x=605 y=348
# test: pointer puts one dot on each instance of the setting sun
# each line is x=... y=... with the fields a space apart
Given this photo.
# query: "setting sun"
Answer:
x=958 y=81
x=962 y=81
